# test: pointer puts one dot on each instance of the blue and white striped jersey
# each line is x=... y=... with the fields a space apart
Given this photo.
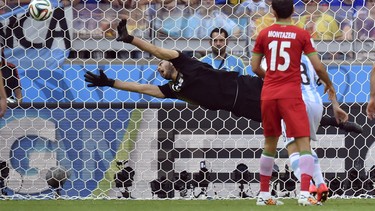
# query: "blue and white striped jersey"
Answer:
x=310 y=82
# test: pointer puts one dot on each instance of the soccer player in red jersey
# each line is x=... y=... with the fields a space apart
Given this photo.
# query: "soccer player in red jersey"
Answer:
x=282 y=45
x=370 y=110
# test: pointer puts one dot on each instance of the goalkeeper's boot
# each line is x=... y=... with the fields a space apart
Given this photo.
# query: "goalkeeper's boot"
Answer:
x=268 y=201
x=322 y=194
x=351 y=127
x=346 y=126
x=308 y=201
x=313 y=190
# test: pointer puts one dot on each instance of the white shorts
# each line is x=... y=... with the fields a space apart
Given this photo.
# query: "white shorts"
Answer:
x=315 y=113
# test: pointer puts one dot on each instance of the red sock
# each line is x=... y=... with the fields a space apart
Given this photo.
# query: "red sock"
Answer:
x=265 y=183
x=305 y=182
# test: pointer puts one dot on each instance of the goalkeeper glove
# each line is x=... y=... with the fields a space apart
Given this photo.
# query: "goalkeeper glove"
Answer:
x=98 y=80
x=123 y=34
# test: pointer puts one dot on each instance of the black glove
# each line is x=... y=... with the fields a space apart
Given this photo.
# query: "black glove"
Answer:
x=123 y=34
x=98 y=80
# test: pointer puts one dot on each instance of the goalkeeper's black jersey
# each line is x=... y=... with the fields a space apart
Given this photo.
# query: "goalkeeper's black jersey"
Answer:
x=198 y=83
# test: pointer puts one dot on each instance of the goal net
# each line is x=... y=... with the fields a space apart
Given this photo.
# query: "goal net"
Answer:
x=67 y=140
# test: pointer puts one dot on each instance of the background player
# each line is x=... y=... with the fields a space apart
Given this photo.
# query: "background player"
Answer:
x=219 y=58
x=3 y=95
x=371 y=103
x=3 y=98
x=282 y=44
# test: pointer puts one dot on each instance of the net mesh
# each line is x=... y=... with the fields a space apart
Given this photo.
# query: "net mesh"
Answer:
x=71 y=141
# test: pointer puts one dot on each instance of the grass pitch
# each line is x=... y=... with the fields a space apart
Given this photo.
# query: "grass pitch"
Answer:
x=178 y=205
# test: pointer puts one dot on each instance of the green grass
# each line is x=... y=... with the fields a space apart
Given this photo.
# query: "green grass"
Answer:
x=178 y=205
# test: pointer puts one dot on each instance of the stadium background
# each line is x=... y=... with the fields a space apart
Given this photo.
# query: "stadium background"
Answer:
x=62 y=123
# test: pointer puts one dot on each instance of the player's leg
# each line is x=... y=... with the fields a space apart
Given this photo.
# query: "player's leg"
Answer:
x=314 y=112
x=322 y=189
x=317 y=175
x=297 y=124
x=272 y=130
x=293 y=152
x=306 y=166
x=266 y=166
x=306 y=163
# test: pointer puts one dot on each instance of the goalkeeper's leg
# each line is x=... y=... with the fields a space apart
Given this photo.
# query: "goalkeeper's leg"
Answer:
x=346 y=126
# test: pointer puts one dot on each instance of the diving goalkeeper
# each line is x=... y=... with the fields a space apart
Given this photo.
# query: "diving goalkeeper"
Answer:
x=198 y=83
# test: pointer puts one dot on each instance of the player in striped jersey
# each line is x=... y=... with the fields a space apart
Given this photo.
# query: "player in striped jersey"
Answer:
x=314 y=107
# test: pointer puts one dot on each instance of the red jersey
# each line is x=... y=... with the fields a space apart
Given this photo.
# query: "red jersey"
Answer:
x=283 y=45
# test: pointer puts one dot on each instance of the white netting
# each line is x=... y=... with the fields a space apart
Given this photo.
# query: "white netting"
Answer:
x=66 y=134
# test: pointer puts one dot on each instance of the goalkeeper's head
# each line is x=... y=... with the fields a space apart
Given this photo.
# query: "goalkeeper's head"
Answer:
x=166 y=70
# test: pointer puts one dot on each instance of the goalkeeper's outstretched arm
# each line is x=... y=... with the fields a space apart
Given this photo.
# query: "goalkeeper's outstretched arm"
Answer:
x=161 y=53
x=101 y=80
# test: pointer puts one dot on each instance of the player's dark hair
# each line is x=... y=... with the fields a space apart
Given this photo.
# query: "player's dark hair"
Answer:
x=219 y=30
x=283 y=8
